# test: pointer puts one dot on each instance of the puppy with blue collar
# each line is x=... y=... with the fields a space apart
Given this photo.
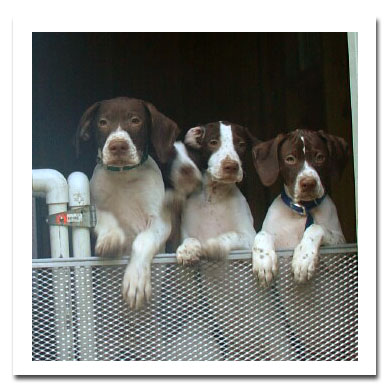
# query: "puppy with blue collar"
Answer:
x=303 y=216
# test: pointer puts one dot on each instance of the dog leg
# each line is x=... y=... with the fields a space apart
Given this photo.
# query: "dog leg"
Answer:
x=136 y=286
x=306 y=254
x=264 y=259
x=185 y=175
x=219 y=248
x=110 y=236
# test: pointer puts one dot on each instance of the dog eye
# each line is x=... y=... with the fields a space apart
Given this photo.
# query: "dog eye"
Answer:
x=102 y=122
x=290 y=159
x=135 y=120
x=320 y=158
x=242 y=144
x=213 y=143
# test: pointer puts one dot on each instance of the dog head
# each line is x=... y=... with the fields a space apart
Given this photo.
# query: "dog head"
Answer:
x=218 y=148
x=305 y=159
x=122 y=128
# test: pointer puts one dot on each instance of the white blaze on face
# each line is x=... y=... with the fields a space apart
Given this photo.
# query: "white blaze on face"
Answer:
x=303 y=142
x=307 y=171
x=226 y=151
x=131 y=157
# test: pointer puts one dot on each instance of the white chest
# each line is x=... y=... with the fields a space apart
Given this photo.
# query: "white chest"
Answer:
x=204 y=218
x=133 y=198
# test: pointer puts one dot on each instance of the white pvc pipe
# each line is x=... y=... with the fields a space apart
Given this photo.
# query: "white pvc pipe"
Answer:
x=55 y=188
x=79 y=196
x=81 y=241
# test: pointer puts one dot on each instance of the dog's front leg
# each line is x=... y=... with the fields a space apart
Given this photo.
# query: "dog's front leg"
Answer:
x=264 y=259
x=110 y=236
x=306 y=254
x=218 y=248
x=136 y=286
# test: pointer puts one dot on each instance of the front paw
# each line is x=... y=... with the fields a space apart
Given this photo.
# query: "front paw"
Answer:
x=304 y=263
x=187 y=179
x=136 y=285
x=189 y=252
x=265 y=265
x=110 y=244
x=215 y=250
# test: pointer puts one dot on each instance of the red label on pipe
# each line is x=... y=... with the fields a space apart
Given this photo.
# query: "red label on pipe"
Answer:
x=62 y=218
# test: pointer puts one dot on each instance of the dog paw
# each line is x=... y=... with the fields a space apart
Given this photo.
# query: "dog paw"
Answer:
x=136 y=285
x=215 y=250
x=185 y=175
x=188 y=179
x=110 y=244
x=304 y=263
x=265 y=265
x=189 y=252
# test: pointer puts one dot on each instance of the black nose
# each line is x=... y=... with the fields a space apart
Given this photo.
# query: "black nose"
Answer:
x=118 y=147
x=307 y=184
x=230 y=167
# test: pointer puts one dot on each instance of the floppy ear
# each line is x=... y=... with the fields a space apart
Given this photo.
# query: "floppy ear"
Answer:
x=339 y=152
x=83 y=132
x=163 y=134
x=252 y=139
x=194 y=137
x=266 y=159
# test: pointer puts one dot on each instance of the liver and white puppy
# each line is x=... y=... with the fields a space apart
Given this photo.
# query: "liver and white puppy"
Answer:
x=216 y=219
x=303 y=216
x=127 y=186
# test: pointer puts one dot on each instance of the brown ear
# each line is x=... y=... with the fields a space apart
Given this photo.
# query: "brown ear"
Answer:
x=163 y=134
x=83 y=132
x=252 y=139
x=266 y=159
x=194 y=137
x=339 y=152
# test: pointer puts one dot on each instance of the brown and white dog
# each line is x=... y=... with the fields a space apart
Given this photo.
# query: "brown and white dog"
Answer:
x=303 y=216
x=216 y=218
x=127 y=186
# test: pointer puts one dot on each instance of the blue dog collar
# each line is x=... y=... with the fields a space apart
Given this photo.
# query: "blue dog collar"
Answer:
x=303 y=208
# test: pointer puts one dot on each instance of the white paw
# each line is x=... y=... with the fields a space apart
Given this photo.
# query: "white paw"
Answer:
x=189 y=252
x=187 y=179
x=265 y=265
x=110 y=243
x=215 y=250
x=304 y=262
x=136 y=285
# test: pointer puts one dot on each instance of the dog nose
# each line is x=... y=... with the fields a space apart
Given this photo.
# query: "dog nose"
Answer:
x=307 y=184
x=230 y=167
x=118 y=147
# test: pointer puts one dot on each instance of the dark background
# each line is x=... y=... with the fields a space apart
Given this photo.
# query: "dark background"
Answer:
x=269 y=82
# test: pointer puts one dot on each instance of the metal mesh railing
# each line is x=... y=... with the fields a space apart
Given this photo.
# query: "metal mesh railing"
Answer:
x=213 y=311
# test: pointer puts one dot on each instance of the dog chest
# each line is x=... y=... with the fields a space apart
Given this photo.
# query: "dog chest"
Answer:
x=133 y=198
x=204 y=218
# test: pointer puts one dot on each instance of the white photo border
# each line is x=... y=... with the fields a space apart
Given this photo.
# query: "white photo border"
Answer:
x=22 y=142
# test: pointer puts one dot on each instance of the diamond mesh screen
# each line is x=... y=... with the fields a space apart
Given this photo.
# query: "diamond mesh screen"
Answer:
x=212 y=311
